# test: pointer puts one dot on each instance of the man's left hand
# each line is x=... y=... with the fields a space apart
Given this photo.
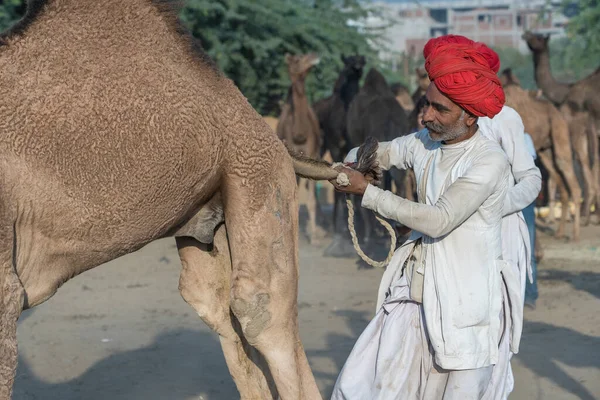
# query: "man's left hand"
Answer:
x=358 y=183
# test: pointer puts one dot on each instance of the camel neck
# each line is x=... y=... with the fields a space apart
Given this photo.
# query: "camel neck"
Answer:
x=298 y=96
x=554 y=90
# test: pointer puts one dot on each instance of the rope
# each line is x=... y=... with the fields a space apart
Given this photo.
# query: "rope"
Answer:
x=343 y=180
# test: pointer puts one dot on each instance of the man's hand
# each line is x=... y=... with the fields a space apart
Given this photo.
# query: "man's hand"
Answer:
x=358 y=183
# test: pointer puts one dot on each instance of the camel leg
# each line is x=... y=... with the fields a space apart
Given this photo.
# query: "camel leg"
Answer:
x=341 y=245
x=12 y=297
x=546 y=160
x=566 y=181
x=315 y=234
x=595 y=151
x=552 y=200
x=262 y=226
x=204 y=284
x=580 y=145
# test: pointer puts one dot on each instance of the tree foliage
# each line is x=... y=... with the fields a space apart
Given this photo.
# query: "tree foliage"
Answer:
x=10 y=12
x=583 y=30
x=248 y=39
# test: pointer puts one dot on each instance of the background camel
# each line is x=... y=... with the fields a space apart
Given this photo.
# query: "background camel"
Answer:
x=119 y=131
x=422 y=84
x=579 y=102
x=550 y=134
x=332 y=113
x=375 y=112
x=299 y=129
x=403 y=97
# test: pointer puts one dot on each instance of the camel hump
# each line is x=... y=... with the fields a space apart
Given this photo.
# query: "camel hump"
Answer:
x=375 y=83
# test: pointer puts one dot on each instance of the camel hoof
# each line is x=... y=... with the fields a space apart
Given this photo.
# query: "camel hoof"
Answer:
x=340 y=247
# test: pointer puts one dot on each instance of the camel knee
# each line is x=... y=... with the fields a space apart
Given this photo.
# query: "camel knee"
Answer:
x=251 y=305
x=254 y=315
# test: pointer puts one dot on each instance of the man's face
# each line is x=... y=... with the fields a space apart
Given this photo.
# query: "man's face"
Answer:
x=445 y=120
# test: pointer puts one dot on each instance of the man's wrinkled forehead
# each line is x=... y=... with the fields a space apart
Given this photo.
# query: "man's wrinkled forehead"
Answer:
x=438 y=100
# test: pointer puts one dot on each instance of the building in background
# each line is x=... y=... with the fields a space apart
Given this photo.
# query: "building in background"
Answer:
x=498 y=23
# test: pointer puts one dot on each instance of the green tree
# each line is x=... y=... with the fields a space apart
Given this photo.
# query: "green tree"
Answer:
x=10 y=12
x=248 y=40
x=583 y=30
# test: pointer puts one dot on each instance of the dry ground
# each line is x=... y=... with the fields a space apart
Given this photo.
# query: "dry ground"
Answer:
x=122 y=331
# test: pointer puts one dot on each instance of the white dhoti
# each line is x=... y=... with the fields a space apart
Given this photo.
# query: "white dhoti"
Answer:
x=393 y=359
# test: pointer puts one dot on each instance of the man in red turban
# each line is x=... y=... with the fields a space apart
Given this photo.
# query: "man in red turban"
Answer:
x=443 y=325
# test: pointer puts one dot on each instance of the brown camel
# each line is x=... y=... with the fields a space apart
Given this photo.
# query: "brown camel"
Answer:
x=550 y=133
x=331 y=113
x=298 y=127
x=579 y=102
x=422 y=84
x=116 y=131
x=376 y=113
x=403 y=96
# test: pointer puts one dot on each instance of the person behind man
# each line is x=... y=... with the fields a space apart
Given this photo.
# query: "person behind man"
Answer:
x=444 y=328
x=531 y=290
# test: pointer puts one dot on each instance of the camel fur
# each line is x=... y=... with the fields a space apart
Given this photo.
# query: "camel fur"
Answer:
x=119 y=131
x=550 y=134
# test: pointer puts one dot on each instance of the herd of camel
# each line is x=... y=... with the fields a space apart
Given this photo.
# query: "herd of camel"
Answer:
x=562 y=119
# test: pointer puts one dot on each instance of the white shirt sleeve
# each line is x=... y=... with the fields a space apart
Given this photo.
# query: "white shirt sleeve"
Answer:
x=527 y=176
x=398 y=153
x=460 y=200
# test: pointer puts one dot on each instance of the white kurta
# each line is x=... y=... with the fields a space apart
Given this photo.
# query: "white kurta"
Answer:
x=449 y=343
x=525 y=182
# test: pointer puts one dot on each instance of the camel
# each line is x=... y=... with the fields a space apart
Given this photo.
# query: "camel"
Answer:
x=375 y=112
x=422 y=84
x=299 y=128
x=331 y=113
x=403 y=96
x=579 y=102
x=117 y=131
x=550 y=134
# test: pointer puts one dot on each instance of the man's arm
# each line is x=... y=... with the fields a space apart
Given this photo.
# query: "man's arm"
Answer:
x=398 y=153
x=459 y=201
x=527 y=176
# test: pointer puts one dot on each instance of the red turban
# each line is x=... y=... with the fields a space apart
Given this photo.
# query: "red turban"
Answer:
x=465 y=71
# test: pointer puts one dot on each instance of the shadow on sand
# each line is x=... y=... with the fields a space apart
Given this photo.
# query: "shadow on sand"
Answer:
x=179 y=364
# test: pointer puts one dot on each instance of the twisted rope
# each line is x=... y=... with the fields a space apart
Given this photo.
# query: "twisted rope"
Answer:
x=343 y=180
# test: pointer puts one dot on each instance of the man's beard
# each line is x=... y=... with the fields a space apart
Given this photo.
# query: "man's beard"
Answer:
x=439 y=133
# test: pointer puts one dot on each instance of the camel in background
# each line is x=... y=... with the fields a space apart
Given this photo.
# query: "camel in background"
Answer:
x=579 y=102
x=332 y=113
x=550 y=134
x=298 y=127
x=403 y=96
x=375 y=112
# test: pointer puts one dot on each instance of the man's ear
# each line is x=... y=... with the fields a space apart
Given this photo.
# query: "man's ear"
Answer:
x=470 y=119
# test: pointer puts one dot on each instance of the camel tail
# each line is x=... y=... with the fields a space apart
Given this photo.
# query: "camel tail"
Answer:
x=310 y=168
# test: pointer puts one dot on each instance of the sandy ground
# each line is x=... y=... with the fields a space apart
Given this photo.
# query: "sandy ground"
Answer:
x=122 y=331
